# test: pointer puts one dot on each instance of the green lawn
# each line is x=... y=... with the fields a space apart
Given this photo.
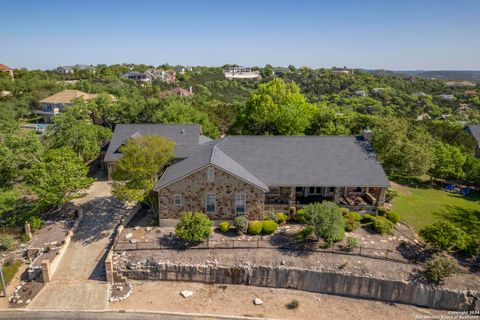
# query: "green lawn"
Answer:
x=425 y=205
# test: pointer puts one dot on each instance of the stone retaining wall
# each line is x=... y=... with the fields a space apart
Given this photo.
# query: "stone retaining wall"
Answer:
x=301 y=279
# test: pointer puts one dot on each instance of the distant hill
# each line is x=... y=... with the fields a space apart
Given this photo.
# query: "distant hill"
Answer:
x=441 y=74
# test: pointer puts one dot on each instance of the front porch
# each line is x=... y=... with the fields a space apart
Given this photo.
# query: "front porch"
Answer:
x=366 y=199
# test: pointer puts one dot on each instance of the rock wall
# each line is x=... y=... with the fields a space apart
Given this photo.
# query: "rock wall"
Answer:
x=194 y=188
x=313 y=281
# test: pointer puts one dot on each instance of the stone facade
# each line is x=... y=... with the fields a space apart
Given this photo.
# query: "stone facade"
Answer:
x=194 y=189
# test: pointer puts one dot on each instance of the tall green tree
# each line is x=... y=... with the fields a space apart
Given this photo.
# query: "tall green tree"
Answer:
x=327 y=220
x=448 y=163
x=137 y=171
x=59 y=177
x=277 y=107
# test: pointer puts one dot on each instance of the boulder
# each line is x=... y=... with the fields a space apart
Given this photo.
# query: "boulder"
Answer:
x=186 y=293
x=257 y=301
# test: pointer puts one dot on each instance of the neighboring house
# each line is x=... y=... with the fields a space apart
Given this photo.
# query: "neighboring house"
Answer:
x=241 y=73
x=378 y=90
x=361 y=93
x=447 y=97
x=253 y=174
x=474 y=130
x=169 y=76
x=468 y=93
x=71 y=69
x=186 y=136
x=419 y=94
x=343 y=70
x=137 y=76
x=456 y=83
x=7 y=70
x=57 y=103
x=177 y=92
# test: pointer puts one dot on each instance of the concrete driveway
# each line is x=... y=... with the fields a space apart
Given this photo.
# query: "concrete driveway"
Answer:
x=80 y=281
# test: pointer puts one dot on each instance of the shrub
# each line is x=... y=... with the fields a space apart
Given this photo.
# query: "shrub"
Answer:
x=345 y=211
x=443 y=235
x=270 y=216
x=390 y=195
x=281 y=217
x=305 y=233
x=351 y=225
x=367 y=218
x=224 y=226
x=35 y=222
x=300 y=216
x=25 y=238
x=292 y=305
x=352 y=243
x=439 y=267
x=393 y=216
x=241 y=223
x=292 y=211
x=193 y=227
x=353 y=215
x=382 y=211
x=7 y=242
x=255 y=227
x=327 y=219
x=269 y=226
x=10 y=269
x=469 y=246
x=382 y=226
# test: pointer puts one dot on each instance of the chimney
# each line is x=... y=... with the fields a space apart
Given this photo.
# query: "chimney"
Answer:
x=367 y=135
x=183 y=131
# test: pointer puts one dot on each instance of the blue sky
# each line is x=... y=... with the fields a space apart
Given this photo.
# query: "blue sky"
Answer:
x=390 y=34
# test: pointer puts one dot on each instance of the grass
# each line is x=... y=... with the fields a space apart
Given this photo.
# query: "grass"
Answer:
x=420 y=206
x=9 y=271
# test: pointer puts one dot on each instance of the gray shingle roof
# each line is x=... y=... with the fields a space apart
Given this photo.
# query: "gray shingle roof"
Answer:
x=475 y=132
x=186 y=136
x=287 y=161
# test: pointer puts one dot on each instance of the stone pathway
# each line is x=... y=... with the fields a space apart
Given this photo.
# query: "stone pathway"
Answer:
x=80 y=282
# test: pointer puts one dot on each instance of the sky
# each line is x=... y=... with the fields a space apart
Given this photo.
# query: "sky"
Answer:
x=372 y=34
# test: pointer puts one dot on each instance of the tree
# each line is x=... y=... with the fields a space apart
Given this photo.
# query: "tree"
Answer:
x=443 y=235
x=193 y=227
x=440 y=267
x=327 y=219
x=73 y=128
x=58 y=177
x=471 y=169
x=402 y=148
x=448 y=163
x=277 y=107
x=137 y=171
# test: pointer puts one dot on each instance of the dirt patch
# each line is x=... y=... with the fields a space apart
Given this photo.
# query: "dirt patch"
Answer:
x=238 y=300
x=401 y=189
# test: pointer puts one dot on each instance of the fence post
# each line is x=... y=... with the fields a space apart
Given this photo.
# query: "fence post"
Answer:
x=360 y=253
x=333 y=248
x=386 y=254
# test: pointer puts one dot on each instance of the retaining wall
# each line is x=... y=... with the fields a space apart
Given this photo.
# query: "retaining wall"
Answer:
x=307 y=280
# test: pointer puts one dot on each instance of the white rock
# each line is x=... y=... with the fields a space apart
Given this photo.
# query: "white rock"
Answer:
x=186 y=293
x=128 y=235
x=136 y=228
x=257 y=301
x=148 y=228
x=28 y=301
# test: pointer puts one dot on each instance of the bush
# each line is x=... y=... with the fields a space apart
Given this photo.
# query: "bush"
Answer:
x=327 y=219
x=353 y=215
x=367 y=218
x=393 y=216
x=10 y=269
x=469 y=246
x=269 y=226
x=345 y=211
x=193 y=227
x=224 y=226
x=281 y=217
x=439 y=267
x=292 y=211
x=292 y=305
x=305 y=233
x=35 y=222
x=7 y=242
x=270 y=216
x=300 y=216
x=352 y=243
x=390 y=195
x=443 y=235
x=255 y=227
x=351 y=225
x=382 y=211
x=382 y=226
x=241 y=223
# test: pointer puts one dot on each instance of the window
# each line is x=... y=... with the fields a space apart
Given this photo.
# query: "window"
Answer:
x=315 y=190
x=211 y=203
x=311 y=190
x=357 y=189
x=210 y=174
x=240 y=203
x=177 y=199
x=331 y=189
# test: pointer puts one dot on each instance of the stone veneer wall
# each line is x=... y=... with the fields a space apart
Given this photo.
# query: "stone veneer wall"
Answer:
x=194 y=188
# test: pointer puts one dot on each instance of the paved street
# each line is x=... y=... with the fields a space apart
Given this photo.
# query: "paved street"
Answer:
x=79 y=282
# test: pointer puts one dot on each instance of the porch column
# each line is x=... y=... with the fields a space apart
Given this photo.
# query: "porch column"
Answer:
x=381 y=197
x=292 y=197
x=336 y=195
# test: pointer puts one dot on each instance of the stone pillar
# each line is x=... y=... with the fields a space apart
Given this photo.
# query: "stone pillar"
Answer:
x=46 y=274
x=381 y=197
x=336 y=195
x=292 y=197
x=28 y=230
x=109 y=268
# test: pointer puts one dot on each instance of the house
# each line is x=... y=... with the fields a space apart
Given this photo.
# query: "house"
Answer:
x=186 y=136
x=169 y=76
x=457 y=83
x=447 y=97
x=137 y=76
x=468 y=93
x=177 y=92
x=71 y=69
x=57 y=103
x=361 y=93
x=253 y=174
x=241 y=73
x=343 y=70
x=474 y=130
x=7 y=70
